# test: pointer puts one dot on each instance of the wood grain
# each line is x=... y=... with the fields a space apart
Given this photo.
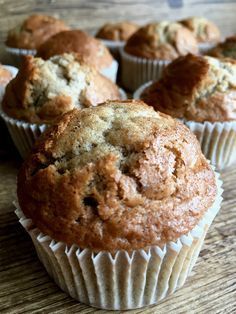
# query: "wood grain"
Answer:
x=25 y=286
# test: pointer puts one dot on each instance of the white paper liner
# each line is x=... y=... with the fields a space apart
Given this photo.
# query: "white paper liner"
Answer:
x=123 y=280
x=13 y=71
x=113 y=46
x=137 y=71
x=16 y=54
x=140 y=90
x=217 y=140
x=22 y=133
x=111 y=71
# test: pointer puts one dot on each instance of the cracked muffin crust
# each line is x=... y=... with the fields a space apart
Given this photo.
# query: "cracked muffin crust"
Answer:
x=117 y=31
x=225 y=49
x=44 y=90
x=34 y=31
x=5 y=76
x=164 y=40
x=116 y=176
x=196 y=88
x=91 y=49
x=204 y=30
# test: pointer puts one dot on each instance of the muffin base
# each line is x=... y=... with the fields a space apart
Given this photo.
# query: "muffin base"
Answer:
x=124 y=280
x=16 y=54
x=137 y=71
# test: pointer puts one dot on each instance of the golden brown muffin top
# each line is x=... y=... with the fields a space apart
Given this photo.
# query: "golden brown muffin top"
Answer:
x=225 y=49
x=77 y=41
x=164 y=40
x=44 y=90
x=196 y=88
x=5 y=76
x=116 y=176
x=34 y=31
x=204 y=30
x=117 y=31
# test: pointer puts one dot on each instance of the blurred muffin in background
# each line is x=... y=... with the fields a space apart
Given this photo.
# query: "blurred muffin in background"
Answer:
x=92 y=50
x=225 y=49
x=44 y=90
x=205 y=31
x=150 y=48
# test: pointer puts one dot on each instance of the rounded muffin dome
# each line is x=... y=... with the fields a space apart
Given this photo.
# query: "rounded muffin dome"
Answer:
x=92 y=50
x=116 y=176
x=44 y=90
x=117 y=31
x=34 y=31
x=204 y=30
x=196 y=88
x=164 y=40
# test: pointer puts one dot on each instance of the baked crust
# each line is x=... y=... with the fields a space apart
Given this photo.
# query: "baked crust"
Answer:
x=225 y=49
x=5 y=76
x=44 y=90
x=91 y=49
x=204 y=30
x=164 y=40
x=34 y=31
x=116 y=176
x=117 y=31
x=196 y=88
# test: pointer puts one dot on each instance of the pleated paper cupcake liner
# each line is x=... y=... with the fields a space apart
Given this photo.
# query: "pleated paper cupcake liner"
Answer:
x=111 y=71
x=24 y=134
x=13 y=71
x=137 y=71
x=124 y=280
x=217 y=140
x=16 y=54
x=113 y=46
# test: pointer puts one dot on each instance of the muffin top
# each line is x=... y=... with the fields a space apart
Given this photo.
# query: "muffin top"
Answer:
x=164 y=40
x=204 y=30
x=116 y=176
x=196 y=88
x=5 y=75
x=43 y=90
x=117 y=31
x=34 y=31
x=77 y=41
x=225 y=49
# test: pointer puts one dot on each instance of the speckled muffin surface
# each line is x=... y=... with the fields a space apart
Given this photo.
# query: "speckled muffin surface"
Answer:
x=43 y=90
x=117 y=31
x=225 y=49
x=116 y=176
x=5 y=76
x=77 y=41
x=204 y=30
x=164 y=40
x=196 y=88
x=34 y=31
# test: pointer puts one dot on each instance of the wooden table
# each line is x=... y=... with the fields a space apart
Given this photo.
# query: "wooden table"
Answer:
x=25 y=286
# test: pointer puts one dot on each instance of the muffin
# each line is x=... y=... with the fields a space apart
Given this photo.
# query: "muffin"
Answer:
x=117 y=199
x=149 y=49
x=226 y=49
x=31 y=33
x=44 y=90
x=202 y=91
x=205 y=31
x=7 y=73
x=114 y=35
x=77 y=41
